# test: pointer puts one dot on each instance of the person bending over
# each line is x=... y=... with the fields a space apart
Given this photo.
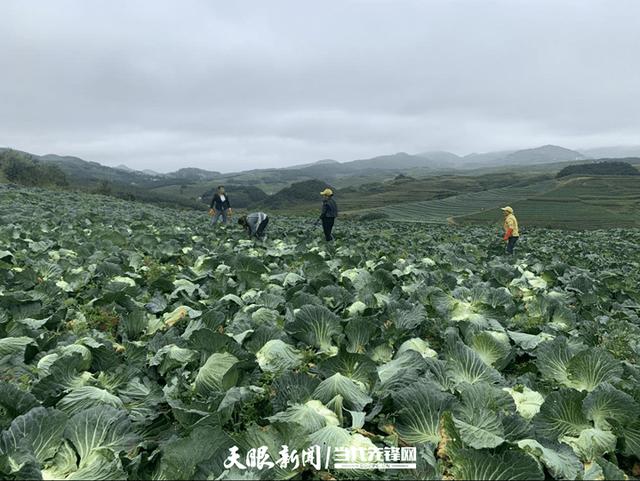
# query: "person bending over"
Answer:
x=255 y=224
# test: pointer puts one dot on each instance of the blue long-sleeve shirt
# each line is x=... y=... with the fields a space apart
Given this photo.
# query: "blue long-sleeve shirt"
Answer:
x=329 y=208
x=218 y=204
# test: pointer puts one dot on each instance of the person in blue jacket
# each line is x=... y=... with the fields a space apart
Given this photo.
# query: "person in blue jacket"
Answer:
x=329 y=214
x=220 y=206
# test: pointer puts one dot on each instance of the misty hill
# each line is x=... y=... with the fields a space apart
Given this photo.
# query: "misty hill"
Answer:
x=545 y=154
x=441 y=157
x=24 y=169
x=399 y=161
x=542 y=155
x=344 y=173
x=606 y=167
x=193 y=173
x=84 y=172
x=331 y=169
x=614 y=152
x=486 y=158
x=304 y=192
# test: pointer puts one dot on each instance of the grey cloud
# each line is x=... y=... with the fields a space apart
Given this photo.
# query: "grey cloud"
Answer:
x=160 y=84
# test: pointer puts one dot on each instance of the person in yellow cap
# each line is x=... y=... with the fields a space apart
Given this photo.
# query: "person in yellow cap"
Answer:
x=329 y=213
x=511 y=232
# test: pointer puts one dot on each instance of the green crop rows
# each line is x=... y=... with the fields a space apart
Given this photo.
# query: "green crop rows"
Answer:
x=142 y=343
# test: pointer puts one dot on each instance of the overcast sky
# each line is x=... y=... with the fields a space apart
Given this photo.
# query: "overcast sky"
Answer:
x=231 y=85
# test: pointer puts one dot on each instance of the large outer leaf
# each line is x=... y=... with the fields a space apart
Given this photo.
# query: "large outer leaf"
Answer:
x=63 y=463
x=631 y=435
x=558 y=458
x=171 y=356
x=465 y=366
x=606 y=403
x=42 y=428
x=100 y=465
x=479 y=428
x=86 y=397
x=10 y=346
x=403 y=370
x=485 y=465
x=590 y=368
x=20 y=464
x=293 y=387
x=65 y=374
x=332 y=436
x=212 y=376
x=561 y=415
x=14 y=401
x=354 y=366
x=315 y=325
x=492 y=347
x=592 y=443
x=482 y=395
x=276 y=356
x=311 y=416
x=553 y=359
x=528 y=402
x=418 y=345
x=354 y=394
x=101 y=427
x=419 y=409
x=181 y=457
x=528 y=342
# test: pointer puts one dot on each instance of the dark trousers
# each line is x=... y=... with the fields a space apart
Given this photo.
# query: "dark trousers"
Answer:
x=511 y=243
x=262 y=227
x=327 y=226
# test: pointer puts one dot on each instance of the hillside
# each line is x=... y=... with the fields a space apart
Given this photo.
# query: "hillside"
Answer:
x=602 y=167
x=23 y=169
x=85 y=173
x=298 y=196
x=394 y=182
x=542 y=155
x=303 y=197
x=574 y=203
x=439 y=211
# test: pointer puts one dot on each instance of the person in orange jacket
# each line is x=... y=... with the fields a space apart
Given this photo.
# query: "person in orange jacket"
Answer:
x=511 y=232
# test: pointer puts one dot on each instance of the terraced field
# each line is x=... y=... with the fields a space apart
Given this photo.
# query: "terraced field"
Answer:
x=577 y=203
x=571 y=203
x=439 y=211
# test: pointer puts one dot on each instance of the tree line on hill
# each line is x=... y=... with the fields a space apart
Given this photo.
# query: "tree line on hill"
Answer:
x=24 y=169
x=608 y=167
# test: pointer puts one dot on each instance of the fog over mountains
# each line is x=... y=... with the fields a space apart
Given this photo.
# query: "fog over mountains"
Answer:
x=433 y=161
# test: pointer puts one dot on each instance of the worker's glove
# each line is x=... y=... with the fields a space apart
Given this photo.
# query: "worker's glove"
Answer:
x=212 y=212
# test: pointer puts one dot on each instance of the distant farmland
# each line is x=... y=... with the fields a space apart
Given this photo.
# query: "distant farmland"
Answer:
x=574 y=203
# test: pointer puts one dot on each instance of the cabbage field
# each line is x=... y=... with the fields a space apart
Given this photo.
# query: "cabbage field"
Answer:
x=142 y=343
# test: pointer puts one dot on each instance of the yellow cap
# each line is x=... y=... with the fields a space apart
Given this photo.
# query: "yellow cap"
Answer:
x=507 y=209
x=326 y=192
